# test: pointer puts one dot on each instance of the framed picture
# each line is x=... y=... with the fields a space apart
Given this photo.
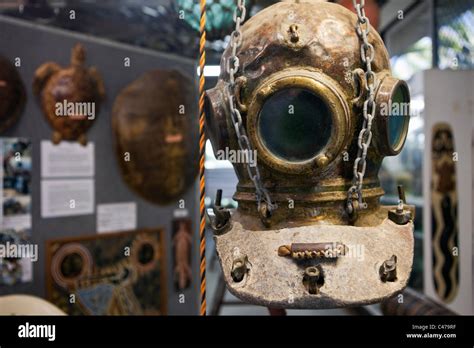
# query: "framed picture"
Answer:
x=110 y=274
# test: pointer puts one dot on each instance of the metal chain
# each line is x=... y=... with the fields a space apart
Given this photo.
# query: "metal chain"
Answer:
x=232 y=67
x=367 y=54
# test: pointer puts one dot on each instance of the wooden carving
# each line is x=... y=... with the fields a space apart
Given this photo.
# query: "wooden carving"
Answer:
x=182 y=242
x=444 y=205
x=155 y=128
x=70 y=97
x=12 y=95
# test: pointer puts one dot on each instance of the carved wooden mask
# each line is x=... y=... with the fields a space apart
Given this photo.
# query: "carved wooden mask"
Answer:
x=12 y=94
x=155 y=126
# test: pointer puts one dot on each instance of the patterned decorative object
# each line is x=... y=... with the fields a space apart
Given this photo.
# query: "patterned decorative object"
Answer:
x=444 y=207
x=112 y=274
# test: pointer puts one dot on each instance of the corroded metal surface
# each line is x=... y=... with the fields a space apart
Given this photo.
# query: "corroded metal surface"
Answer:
x=156 y=135
x=12 y=95
x=349 y=280
x=70 y=88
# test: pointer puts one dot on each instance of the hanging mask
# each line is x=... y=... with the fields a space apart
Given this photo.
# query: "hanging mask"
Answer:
x=314 y=111
x=154 y=132
x=12 y=95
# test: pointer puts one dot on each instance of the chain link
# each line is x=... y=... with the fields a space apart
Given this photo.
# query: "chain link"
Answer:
x=232 y=67
x=367 y=54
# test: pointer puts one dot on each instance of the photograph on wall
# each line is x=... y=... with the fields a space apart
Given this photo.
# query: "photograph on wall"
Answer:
x=16 y=257
x=16 y=254
x=16 y=174
x=112 y=274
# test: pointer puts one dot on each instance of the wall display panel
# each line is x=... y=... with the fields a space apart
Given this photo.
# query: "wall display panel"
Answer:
x=119 y=65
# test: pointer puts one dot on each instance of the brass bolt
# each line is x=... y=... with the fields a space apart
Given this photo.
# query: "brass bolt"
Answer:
x=322 y=160
x=264 y=92
x=293 y=30
x=400 y=217
x=221 y=221
x=388 y=270
x=401 y=194
x=313 y=279
x=265 y=214
x=239 y=268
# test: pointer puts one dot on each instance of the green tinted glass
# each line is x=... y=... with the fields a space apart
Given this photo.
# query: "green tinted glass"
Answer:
x=295 y=124
x=398 y=116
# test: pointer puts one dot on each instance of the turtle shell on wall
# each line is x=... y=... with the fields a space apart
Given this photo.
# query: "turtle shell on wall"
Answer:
x=12 y=94
x=155 y=127
x=70 y=97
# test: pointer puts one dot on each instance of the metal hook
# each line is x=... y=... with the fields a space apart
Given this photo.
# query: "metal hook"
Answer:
x=221 y=220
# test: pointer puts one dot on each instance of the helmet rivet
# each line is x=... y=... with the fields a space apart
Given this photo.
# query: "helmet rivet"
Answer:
x=293 y=30
x=322 y=160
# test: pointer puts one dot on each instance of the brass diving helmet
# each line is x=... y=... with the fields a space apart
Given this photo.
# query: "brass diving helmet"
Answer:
x=309 y=231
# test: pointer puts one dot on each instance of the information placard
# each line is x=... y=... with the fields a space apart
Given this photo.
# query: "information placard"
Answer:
x=66 y=160
x=67 y=197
